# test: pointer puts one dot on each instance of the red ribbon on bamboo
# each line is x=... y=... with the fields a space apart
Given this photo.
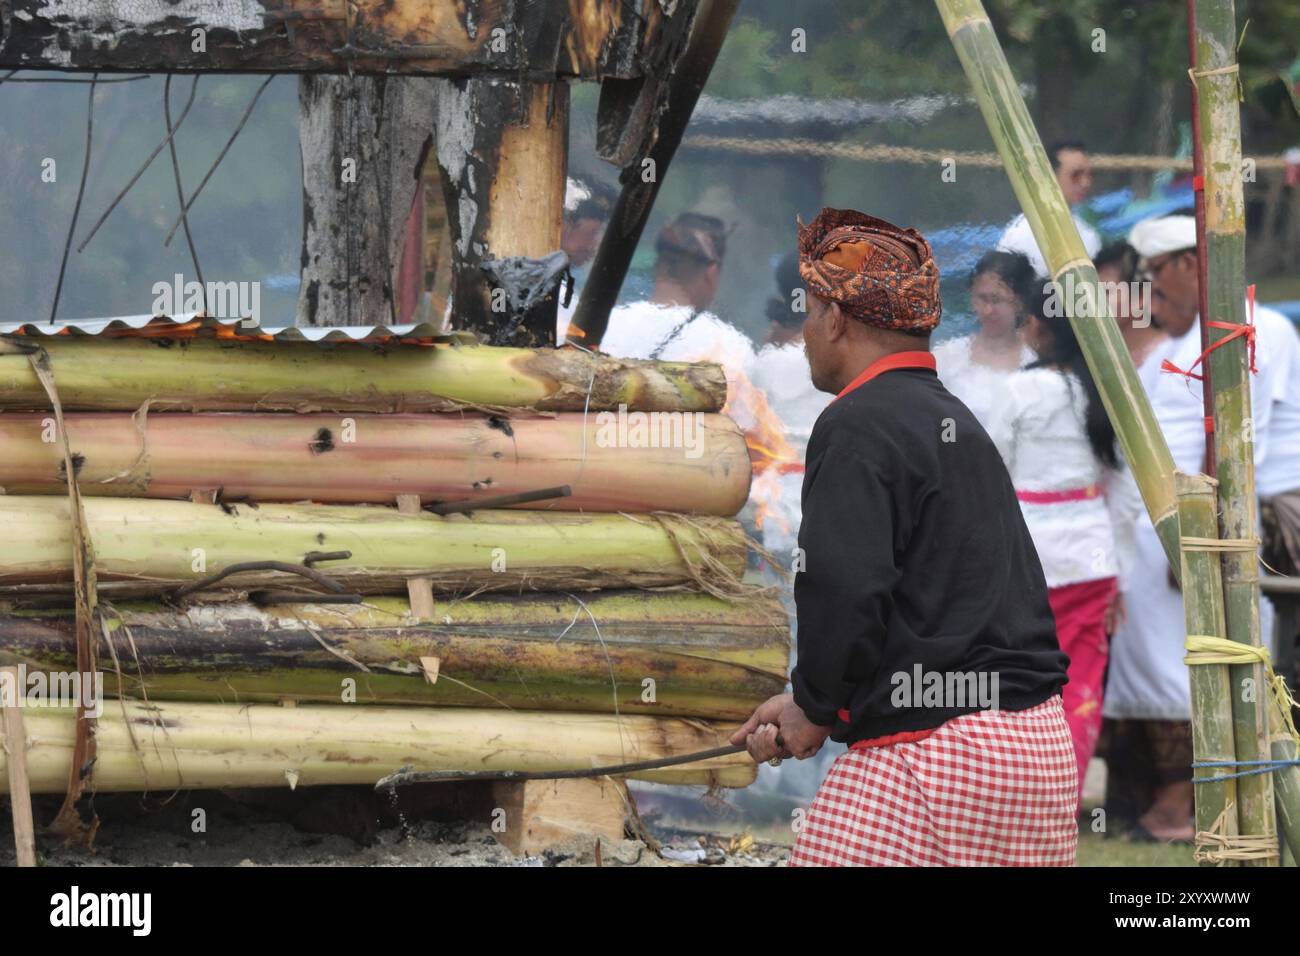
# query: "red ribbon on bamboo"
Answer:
x=1234 y=331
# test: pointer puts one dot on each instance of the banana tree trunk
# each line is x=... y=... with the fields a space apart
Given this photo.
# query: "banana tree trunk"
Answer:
x=153 y=547
x=1049 y=217
x=170 y=746
x=207 y=373
x=663 y=654
x=1225 y=241
x=693 y=464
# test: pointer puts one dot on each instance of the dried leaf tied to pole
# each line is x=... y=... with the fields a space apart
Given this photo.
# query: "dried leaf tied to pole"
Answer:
x=69 y=823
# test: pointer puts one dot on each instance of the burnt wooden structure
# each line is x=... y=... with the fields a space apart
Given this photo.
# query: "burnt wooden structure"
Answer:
x=501 y=113
x=495 y=117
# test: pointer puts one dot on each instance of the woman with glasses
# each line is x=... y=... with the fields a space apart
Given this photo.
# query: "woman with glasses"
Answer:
x=975 y=368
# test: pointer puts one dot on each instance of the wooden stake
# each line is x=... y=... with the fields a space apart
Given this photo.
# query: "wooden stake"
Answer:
x=420 y=590
x=20 y=795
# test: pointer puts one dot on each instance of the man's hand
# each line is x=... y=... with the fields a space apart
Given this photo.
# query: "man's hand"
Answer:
x=762 y=744
x=784 y=719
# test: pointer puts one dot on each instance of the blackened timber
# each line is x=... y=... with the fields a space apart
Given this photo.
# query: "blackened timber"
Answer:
x=642 y=177
x=502 y=146
x=537 y=39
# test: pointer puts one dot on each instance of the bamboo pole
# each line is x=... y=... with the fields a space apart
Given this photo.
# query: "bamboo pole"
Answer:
x=1053 y=227
x=207 y=372
x=154 y=547
x=1217 y=85
x=173 y=745
x=696 y=465
x=1286 y=781
x=1202 y=263
x=657 y=653
x=1211 y=689
x=15 y=751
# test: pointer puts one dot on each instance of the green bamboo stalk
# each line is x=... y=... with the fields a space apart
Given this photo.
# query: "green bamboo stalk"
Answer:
x=704 y=657
x=153 y=547
x=1216 y=79
x=1049 y=217
x=173 y=745
x=1212 y=724
x=203 y=373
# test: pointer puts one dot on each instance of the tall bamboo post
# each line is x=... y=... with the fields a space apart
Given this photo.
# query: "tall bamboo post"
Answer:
x=1225 y=242
x=1212 y=725
x=1049 y=217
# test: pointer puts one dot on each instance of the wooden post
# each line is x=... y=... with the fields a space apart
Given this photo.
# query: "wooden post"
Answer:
x=20 y=795
x=538 y=814
x=503 y=150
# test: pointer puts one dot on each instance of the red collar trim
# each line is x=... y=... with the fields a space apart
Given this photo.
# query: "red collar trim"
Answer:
x=888 y=364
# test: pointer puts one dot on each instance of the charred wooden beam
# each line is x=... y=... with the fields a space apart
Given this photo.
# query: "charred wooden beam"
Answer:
x=643 y=175
x=503 y=149
x=537 y=39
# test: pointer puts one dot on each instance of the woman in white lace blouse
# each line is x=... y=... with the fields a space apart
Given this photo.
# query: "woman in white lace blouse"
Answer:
x=1060 y=450
x=975 y=367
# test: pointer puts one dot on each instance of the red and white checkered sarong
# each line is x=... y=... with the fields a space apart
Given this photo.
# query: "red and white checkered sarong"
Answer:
x=991 y=788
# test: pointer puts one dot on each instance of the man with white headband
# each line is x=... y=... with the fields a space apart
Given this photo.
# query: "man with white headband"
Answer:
x=1147 y=688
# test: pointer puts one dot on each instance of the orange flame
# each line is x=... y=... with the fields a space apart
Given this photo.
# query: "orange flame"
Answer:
x=770 y=452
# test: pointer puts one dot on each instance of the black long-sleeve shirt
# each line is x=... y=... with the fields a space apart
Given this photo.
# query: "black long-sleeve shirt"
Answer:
x=915 y=555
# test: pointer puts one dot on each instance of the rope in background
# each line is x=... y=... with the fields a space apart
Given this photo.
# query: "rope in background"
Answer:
x=864 y=152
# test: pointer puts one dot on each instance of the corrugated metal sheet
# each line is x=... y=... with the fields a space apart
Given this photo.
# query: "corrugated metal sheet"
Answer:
x=150 y=325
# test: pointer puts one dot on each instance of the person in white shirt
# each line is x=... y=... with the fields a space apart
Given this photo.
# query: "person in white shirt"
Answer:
x=1059 y=447
x=673 y=325
x=780 y=372
x=1074 y=173
x=1148 y=679
x=975 y=367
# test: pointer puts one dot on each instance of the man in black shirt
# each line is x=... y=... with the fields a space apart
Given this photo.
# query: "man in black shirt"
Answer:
x=925 y=637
